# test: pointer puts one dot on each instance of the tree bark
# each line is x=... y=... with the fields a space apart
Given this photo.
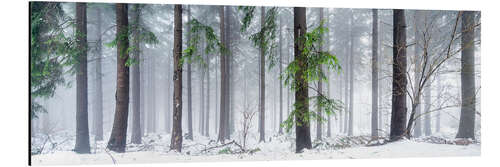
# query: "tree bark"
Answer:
x=468 y=108
x=399 y=82
x=82 y=144
x=375 y=73
x=222 y=113
x=98 y=122
x=118 y=138
x=351 y=78
x=190 y=100
x=262 y=82
x=176 y=141
x=136 y=126
x=302 y=126
x=280 y=63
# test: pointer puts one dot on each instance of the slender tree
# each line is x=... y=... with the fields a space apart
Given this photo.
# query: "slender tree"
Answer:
x=223 y=78
x=176 y=141
x=82 y=144
x=375 y=73
x=189 y=91
x=262 y=82
x=98 y=115
x=136 y=75
x=351 y=77
x=118 y=138
x=280 y=63
x=319 y=127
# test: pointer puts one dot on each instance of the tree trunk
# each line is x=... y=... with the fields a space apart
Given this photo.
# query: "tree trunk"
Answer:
x=468 y=108
x=375 y=74
x=82 y=144
x=427 y=115
x=207 y=122
x=176 y=141
x=351 y=78
x=98 y=122
x=222 y=113
x=280 y=63
x=302 y=127
x=417 y=132
x=118 y=138
x=190 y=101
x=399 y=82
x=262 y=82
x=319 y=127
x=346 y=97
x=136 y=126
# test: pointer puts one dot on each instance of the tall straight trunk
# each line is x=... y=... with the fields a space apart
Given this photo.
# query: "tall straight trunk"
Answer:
x=153 y=94
x=280 y=63
x=399 y=82
x=207 y=122
x=98 y=122
x=417 y=132
x=375 y=74
x=176 y=141
x=319 y=127
x=380 y=86
x=262 y=82
x=427 y=115
x=438 y=113
x=169 y=103
x=346 y=97
x=468 y=88
x=190 y=100
x=328 y=77
x=302 y=125
x=216 y=95
x=142 y=94
x=222 y=113
x=228 y=71
x=118 y=138
x=82 y=144
x=136 y=122
x=351 y=78
x=202 y=100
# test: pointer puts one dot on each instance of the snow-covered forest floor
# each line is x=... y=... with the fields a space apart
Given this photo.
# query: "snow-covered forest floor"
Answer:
x=56 y=149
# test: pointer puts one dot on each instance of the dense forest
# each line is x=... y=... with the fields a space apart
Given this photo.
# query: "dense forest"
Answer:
x=196 y=80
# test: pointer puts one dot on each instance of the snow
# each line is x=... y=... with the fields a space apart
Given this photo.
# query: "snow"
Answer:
x=155 y=149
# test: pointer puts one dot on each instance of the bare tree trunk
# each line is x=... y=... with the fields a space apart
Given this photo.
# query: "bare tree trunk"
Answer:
x=262 y=82
x=82 y=144
x=222 y=124
x=375 y=73
x=207 y=122
x=302 y=127
x=351 y=78
x=427 y=115
x=176 y=141
x=98 y=122
x=468 y=109
x=202 y=100
x=418 y=70
x=346 y=97
x=118 y=138
x=136 y=126
x=280 y=131
x=399 y=82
